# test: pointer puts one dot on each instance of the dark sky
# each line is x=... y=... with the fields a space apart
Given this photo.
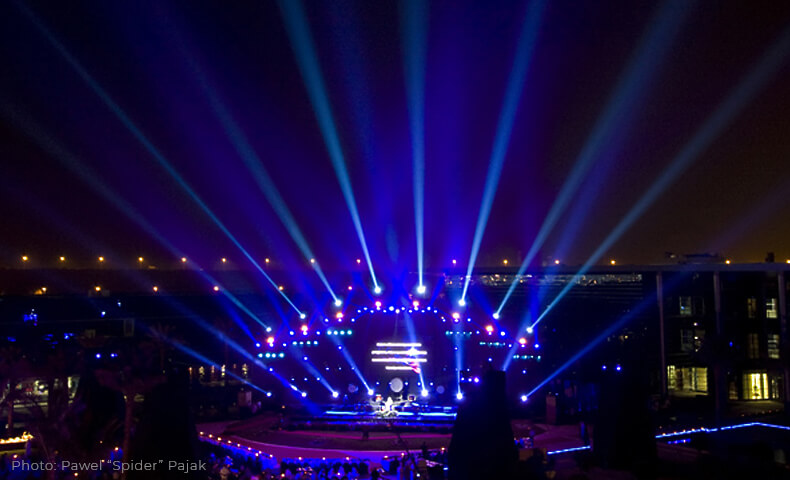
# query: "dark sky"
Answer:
x=74 y=178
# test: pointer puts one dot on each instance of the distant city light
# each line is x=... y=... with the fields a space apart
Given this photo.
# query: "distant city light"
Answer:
x=280 y=288
x=224 y=260
x=140 y=259
x=25 y=258
x=156 y=289
x=101 y=259
x=312 y=260
x=504 y=262
x=359 y=261
x=216 y=288
x=455 y=262
x=489 y=329
x=339 y=315
x=183 y=259
x=727 y=261
x=556 y=262
x=62 y=259
x=522 y=341
x=266 y=260
x=612 y=262
x=97 y=288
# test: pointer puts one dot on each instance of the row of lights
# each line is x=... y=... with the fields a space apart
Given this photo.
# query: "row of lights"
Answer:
x=101 y=259
x=421 y=289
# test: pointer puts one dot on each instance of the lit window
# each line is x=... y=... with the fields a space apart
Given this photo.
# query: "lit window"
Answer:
x=755 y=386
x=773 y=345
x=771 y=311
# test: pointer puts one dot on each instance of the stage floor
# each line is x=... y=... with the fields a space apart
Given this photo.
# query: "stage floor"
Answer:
x=262 y=433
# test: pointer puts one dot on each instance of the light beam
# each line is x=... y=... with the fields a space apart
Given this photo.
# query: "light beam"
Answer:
x=518 y=74
x=307 y=60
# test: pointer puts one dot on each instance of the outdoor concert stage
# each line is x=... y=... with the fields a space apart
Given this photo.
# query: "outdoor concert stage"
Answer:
x=364 y=418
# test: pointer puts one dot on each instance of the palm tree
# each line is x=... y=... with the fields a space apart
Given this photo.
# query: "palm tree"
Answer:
x=135 y=377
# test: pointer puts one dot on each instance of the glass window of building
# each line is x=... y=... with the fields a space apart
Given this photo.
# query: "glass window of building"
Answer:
x=752 y=346
x=685 y=307
x=773 y=345
x=672 y=383
x=686 y=340
x=751 y=307
x=755 y=386
x=688 y=379
x=771 y=311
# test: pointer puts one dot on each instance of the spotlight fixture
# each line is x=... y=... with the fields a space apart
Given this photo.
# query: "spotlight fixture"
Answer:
x=459 y=396
x=338 y=302
x=496 y=316
x=302 y=316
x=377 y=290
x=462 y=302
x=421 y=289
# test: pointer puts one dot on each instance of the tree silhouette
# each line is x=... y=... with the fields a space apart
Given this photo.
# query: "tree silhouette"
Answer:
x=133 y=376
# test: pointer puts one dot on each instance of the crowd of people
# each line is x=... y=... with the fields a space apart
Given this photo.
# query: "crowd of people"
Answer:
x=226 y=463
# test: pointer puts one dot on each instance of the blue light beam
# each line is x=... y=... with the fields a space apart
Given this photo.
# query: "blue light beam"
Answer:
x=415 y=20
x=307 y=60
x=90 y=177
x=747 y=89
x=254 y=164
x=518 y=74
x=626 y=98
x=138 y=134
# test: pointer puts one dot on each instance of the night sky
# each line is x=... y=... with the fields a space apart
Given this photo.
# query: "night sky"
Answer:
x=75 y=181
